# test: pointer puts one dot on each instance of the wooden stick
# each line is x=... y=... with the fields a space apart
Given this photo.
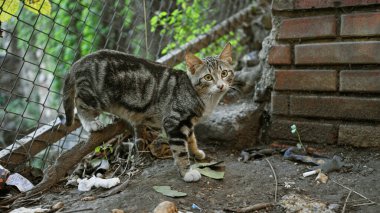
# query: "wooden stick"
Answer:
x=250 y=208
x=275 y=178
x=70 y=158
x=345 y=202
x=33 y=143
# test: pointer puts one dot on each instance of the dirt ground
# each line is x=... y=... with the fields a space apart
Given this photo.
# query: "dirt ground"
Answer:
x=244 y=184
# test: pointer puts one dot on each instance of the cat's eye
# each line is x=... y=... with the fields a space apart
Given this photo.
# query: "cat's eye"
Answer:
x=224 y=73
x=208 y=77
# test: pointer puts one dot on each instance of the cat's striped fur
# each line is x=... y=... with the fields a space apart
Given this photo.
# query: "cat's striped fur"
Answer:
x=148 y=93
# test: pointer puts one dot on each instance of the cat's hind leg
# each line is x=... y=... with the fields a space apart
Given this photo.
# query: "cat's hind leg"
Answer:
x=87 y=116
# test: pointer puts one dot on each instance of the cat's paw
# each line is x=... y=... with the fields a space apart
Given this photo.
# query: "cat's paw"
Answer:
x=200 y=155
x=192 y=176
x=93 y=126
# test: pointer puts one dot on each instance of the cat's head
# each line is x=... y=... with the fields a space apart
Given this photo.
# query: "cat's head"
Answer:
x=211 y=76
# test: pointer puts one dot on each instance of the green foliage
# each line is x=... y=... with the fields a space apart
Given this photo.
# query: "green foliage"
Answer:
x=104 y=150
x=187 y=22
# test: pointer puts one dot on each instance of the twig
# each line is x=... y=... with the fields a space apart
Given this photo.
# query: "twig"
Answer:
x=250 y=208
x=275 y=178
x=354 y=191
x=345 y=202
x=364 y=204
x=79 y=210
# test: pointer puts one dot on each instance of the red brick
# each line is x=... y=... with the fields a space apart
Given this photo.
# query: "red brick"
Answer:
x=360 y=81
x=359 y=135
x=314 y=80
x=335 y=107
x=366 y=52
x=310 y=131
x=279 y=103
x=309 y=4
x=363 y=24
x=310 y=27
x=279 y=54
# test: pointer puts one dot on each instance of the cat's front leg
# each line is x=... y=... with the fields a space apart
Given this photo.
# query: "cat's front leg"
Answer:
x=193 y=147
x=178 y=146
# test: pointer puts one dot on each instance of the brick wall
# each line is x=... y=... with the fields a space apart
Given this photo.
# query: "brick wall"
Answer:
x=326 y=58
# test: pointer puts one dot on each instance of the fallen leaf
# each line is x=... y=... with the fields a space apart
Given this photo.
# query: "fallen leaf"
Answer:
x=207 y=171
x=213 y=169
x=166 y=190
x=117 y=211
x=202 y=165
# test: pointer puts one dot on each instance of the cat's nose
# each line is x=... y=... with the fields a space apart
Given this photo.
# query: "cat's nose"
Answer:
x=220 y=87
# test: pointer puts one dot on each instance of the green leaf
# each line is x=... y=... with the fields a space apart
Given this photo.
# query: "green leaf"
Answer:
x=213 y=169
x=207 y=171
x=39 y=6
x=166 y=190
x=8 y=9
x=98 y=149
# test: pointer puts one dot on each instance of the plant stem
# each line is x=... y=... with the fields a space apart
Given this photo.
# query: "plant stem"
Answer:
x=299 y=139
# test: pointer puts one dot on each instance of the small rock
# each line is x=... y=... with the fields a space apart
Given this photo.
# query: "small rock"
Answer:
x=166 y=207
x=117 y=211
x=57 y=206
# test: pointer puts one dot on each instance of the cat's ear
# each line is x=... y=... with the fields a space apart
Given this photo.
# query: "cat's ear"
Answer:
x=192 y=62
x=226 y=54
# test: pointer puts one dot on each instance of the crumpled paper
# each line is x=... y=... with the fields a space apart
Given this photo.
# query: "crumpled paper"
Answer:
x=85 y=185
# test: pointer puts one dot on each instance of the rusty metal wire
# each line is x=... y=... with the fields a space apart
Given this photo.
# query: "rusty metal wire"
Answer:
x=37 y=50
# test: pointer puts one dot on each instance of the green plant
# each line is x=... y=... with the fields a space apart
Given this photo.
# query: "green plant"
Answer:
x=293 y=130
x=103 y=151
x=187 y=22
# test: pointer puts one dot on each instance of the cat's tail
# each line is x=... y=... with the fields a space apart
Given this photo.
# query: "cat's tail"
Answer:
x=69 y=99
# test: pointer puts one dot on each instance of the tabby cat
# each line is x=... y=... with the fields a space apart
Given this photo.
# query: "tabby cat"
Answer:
x=147 y=93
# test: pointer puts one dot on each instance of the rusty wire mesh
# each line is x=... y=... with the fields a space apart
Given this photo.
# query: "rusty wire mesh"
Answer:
x=37 y=50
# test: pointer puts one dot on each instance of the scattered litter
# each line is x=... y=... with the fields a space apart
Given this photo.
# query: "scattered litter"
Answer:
x=322 y=178
x=324 y=164
x=213 y=170
x=4 y=173
x=288 y=185
x=88 y=198
x=20 y=182
x=100 y=165
x=85 y=185
x=195 y=206
x=313 y=172
x=166 y=190
x=117 y=211
x=166 y=207
x=256 y=153
x=29 y=210
x=303 y=204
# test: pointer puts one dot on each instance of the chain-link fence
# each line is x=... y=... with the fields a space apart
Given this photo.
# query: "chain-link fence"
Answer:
x=42 y=38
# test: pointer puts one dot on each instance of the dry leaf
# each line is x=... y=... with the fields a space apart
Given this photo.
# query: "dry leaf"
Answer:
x=322 y=178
